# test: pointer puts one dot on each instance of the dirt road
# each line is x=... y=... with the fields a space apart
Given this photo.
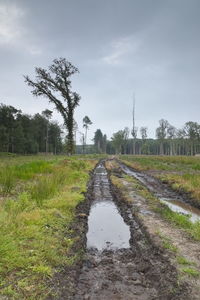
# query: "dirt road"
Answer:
x=121 y=261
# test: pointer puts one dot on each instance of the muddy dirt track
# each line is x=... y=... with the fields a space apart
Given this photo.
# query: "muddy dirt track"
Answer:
x=176 y=202
x=138 y=271
x=121 y=260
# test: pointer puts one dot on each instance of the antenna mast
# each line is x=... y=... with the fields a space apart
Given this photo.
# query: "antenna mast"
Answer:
x=133 y=114
x=134 y=130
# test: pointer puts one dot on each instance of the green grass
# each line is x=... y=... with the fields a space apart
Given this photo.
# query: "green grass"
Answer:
x=183 y=261
x=169 y=246
x=181 y=221
x=168 y=163
x=35 y=238
x=191 y=272
x=167 y=243
x=11 y=174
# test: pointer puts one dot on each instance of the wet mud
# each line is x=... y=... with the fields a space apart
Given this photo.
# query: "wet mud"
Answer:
x=176 y=202
x=121 y=261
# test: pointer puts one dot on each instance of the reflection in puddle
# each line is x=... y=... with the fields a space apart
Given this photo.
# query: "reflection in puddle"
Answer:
x=107 y=229
x=164 y=195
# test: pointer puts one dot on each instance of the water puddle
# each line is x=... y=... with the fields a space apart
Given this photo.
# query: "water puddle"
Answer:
x=170 y=198
x=106 y=227
x=183 y=208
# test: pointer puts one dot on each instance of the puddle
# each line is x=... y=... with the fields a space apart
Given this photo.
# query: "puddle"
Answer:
x=170 y=198
x=183 y=208
x=106 y=227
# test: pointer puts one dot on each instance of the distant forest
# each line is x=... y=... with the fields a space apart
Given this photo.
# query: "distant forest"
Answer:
x=25 y=134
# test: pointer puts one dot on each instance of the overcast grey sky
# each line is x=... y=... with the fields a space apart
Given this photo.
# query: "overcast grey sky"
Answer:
x=150 y=47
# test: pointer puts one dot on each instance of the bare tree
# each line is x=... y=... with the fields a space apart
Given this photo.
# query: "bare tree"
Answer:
x=134 y=129
x=55 y=84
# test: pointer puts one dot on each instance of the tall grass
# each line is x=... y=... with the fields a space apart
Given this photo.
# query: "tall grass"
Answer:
x=34 y=239
x=10 y=174
x=7 y=180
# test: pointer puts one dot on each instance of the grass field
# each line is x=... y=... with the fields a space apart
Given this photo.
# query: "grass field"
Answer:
x=38 y=197
x=181 y=172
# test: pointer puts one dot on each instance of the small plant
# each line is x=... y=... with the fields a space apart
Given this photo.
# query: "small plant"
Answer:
x=183 y=261
x=45 y=271
x=191 y=272
x=169 y=246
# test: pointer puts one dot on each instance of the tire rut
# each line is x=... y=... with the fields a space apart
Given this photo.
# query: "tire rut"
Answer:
x=140 y=271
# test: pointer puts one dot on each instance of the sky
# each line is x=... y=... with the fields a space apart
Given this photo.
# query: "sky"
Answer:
x=146 y=48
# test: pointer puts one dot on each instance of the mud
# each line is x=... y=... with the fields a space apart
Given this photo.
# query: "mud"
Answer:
x=134 y=270
x=176 y=202
x=161 y=230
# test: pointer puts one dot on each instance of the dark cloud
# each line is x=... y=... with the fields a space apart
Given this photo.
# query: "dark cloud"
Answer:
x=149 y=47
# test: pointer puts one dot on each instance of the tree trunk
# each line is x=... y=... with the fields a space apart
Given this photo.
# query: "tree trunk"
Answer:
x=171 y=148
x=133 y=146
x=70 y=135
x=161 y=148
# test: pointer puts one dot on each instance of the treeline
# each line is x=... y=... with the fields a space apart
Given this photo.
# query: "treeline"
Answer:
x=169 y=141
x=26 y=134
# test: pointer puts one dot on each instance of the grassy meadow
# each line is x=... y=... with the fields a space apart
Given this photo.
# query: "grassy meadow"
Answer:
x=38 y=197
x=181 y=172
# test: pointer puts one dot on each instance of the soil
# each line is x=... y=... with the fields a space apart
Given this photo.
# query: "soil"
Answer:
x=142 y=271
x=154 y=223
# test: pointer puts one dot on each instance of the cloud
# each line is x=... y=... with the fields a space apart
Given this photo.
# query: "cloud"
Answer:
x=119 y=49
x=34 y=50
x=10 y=27
x=12 y=30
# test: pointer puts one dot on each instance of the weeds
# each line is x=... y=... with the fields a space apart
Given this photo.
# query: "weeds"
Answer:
x=191 y=272
x=183 y=261
x=169 y=246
